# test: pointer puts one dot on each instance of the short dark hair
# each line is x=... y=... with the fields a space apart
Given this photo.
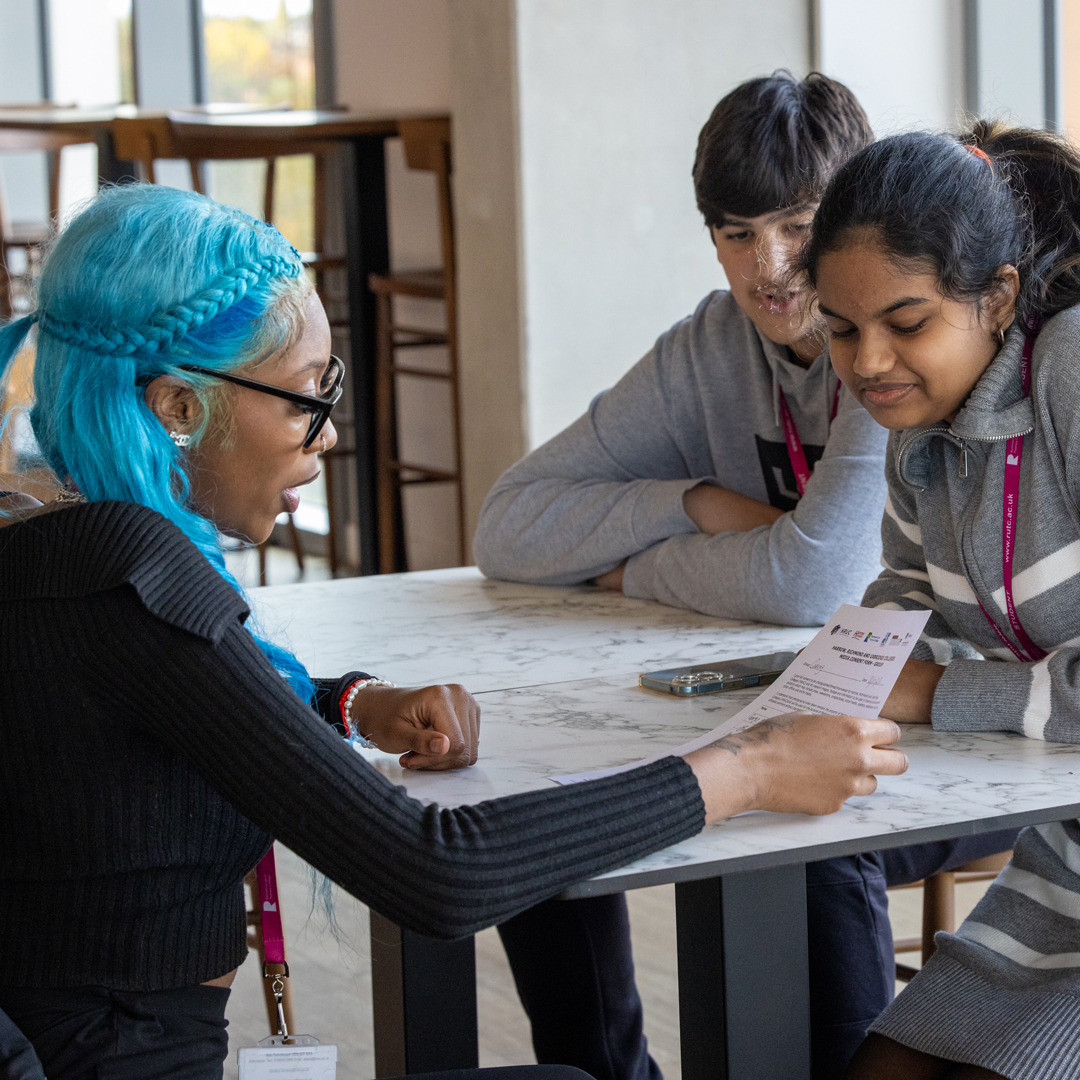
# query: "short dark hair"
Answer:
x=931 y=202
x=775 y=142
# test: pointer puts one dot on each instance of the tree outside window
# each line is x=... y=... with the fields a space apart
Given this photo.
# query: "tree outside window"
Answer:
x=260 y=52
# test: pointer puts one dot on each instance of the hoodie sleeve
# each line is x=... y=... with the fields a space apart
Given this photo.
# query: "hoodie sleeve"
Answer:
x=800 y=569
x=606 y=488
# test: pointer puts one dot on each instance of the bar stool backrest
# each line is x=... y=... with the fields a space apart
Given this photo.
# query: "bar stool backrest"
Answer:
x=30 y=236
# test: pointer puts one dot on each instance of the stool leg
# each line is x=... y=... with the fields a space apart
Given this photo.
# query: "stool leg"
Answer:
x=939 y=909
x=268 y=189
x=5 y=287
x=297 y=546
x=385 y=404
x=331 y=513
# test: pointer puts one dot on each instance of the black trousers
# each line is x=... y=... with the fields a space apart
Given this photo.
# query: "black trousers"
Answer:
x=574 y=969
x=92 y=1033
x=18 y=1061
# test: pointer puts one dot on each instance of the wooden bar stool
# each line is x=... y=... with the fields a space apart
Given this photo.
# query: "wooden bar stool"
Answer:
x=28 y=238
x=427 y=147
x=939 y=906
x=145 y=140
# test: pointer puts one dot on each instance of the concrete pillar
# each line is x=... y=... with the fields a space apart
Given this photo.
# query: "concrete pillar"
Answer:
x=487 y=206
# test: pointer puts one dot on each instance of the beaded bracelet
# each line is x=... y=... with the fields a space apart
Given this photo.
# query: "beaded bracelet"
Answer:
x=347 y=699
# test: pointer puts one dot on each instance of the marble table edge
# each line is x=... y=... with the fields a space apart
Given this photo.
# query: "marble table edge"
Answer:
x=626 y=878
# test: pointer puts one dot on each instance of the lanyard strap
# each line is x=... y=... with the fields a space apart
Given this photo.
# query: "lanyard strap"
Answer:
x=1028 y=652
x=796 y=454
x=272 y=934
x=269 y=912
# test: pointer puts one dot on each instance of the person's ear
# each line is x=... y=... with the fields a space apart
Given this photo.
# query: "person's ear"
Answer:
x=174 y=403
x=1000 y=304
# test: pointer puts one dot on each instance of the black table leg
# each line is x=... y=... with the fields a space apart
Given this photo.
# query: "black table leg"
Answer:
x=367 y=247
x=424 y=995
x=744 y=1000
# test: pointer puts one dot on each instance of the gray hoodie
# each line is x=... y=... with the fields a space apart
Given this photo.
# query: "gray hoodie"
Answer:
x=1004 y=991
x=701 y=406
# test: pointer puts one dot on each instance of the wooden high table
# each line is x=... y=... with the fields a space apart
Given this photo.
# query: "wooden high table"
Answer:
x=554 y=671
x=203 y=134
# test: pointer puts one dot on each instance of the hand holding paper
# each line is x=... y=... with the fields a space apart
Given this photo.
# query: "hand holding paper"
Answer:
x=848 y=669
x=796 y=764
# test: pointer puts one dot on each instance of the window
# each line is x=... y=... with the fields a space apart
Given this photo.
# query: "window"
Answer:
x=261 y=52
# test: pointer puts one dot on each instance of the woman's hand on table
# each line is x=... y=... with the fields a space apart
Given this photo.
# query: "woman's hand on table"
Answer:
x=432 y=727
x=796 y=764
x=912 y=697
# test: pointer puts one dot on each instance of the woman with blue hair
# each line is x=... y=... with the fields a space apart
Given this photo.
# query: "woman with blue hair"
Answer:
x=183 y=387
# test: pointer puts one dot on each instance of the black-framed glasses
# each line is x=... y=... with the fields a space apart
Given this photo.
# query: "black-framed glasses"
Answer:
x=320 y=407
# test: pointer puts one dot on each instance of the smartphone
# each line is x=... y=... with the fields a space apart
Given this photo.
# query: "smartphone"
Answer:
x=723 y=675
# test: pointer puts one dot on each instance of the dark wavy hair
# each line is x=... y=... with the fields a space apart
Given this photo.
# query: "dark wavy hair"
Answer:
x=774 y=142
x=935 y=204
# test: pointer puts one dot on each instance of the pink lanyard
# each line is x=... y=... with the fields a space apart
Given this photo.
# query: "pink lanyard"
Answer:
x=272 y=934
x=1028 y=652
x=796 y=454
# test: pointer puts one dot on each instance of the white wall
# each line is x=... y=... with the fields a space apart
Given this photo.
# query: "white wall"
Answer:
x=612 y=94
x=906 y=65
x=1010 y=43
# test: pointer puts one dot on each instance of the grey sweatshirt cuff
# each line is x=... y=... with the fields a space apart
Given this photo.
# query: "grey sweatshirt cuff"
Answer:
x=658 y=510
x=658 y=515
x=982 y=695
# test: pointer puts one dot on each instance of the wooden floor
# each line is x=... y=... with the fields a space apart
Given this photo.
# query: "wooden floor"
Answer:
x=332 y=990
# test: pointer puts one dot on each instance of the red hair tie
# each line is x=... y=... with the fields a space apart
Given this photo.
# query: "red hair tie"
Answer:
x=980 y=154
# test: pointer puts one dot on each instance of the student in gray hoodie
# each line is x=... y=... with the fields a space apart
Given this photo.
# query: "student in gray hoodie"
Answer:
x=678 y=484
x=948 y=270
x=728 y=471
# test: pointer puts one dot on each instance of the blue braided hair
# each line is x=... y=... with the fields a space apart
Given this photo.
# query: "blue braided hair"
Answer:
x=144 y=279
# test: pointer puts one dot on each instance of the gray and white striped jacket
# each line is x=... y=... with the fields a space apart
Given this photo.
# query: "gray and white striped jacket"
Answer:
x=1004 y=991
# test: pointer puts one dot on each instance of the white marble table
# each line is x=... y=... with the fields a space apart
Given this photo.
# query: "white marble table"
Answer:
x=957 y=783
x=555 y=674
x=456 y=626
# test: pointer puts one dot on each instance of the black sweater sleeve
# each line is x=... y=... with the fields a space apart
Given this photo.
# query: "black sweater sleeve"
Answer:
x=220 y=705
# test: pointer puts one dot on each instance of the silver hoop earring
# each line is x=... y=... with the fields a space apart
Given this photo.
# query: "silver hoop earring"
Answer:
x=1001 y=335
x=180 y=438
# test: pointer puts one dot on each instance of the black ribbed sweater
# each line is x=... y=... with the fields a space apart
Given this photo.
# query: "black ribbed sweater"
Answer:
x=149 y=752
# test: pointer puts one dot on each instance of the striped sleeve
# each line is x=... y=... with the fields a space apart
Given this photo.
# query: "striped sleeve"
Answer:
x=905 y=582
x=1004 y=991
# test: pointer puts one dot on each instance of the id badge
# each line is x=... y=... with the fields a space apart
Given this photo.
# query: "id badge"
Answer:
x=301 y=1058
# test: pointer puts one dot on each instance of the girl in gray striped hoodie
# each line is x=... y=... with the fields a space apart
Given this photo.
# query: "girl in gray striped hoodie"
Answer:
x=948 y=272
